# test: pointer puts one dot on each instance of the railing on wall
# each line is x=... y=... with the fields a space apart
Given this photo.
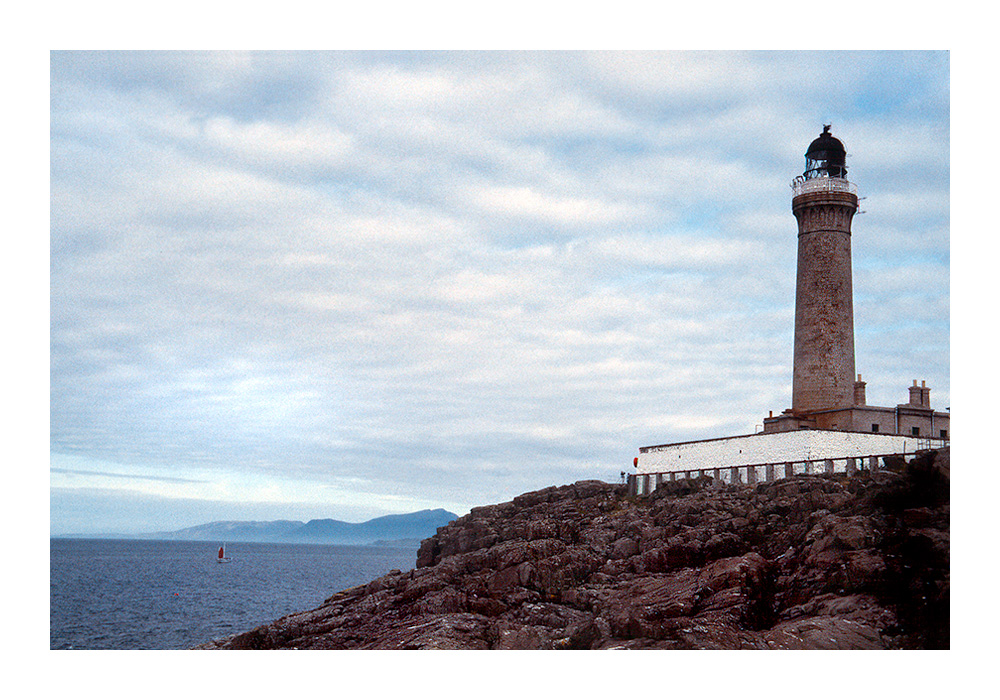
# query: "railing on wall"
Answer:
x=750 y=474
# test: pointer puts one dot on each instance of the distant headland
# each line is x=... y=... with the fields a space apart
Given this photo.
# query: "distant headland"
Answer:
x=407 y=528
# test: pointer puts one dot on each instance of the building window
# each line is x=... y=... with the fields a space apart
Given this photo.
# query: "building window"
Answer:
x=915 y=430
x=874 y=427
x=944 y=433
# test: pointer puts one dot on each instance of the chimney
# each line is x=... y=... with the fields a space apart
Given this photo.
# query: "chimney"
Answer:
x=859 y=392
x=915 y=394
x=925 y=394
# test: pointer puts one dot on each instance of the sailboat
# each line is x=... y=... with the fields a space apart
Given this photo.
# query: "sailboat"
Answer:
x=223 y=559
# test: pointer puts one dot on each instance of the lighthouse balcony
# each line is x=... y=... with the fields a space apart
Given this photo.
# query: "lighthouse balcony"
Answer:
x=823 y=184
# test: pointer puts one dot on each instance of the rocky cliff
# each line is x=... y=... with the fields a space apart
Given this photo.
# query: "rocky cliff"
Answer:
x=808 y=562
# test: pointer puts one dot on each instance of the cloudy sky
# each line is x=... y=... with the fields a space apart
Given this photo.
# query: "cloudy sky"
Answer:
x=307 y=285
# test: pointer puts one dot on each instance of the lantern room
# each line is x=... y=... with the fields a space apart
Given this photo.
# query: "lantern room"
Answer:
x=826 y=157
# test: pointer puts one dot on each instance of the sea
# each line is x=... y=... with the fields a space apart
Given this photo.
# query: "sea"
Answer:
x=156 y=594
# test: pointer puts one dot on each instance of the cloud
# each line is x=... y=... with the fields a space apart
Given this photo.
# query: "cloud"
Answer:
x=118 y=475
x=464 y=275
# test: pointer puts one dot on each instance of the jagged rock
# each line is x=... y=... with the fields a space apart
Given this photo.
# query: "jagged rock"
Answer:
x=808 y=562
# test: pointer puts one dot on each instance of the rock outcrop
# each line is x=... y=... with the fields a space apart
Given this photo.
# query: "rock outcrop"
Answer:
x=807 y=562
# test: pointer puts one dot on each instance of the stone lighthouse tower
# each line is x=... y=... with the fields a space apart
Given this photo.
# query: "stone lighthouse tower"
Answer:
x=826 y=393
x=830 y=427
x=824 y=204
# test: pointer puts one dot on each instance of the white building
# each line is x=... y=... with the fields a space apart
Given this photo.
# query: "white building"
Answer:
x=750 y=459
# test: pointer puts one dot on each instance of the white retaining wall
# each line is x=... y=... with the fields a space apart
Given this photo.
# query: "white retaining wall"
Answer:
x=775 y=448
x=642 y=484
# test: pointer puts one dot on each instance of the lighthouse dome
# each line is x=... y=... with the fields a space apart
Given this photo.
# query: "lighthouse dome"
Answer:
x=826 y=156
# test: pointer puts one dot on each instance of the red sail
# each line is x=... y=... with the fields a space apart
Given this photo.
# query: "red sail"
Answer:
x=221 y=553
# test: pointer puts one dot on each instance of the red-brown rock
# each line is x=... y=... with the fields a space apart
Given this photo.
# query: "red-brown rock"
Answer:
x=808 y=562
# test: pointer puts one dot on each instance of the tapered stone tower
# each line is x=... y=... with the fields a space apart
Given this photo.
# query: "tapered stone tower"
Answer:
x=824 y=204
x=830 y=427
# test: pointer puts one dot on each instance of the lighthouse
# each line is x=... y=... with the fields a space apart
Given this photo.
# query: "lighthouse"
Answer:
x=830 y=427
x=826 y=392
x=824 y=204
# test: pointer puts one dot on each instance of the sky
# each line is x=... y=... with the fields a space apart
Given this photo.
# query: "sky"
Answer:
x=346 y=284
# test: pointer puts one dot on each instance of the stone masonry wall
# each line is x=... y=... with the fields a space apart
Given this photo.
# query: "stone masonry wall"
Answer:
x=823 y=375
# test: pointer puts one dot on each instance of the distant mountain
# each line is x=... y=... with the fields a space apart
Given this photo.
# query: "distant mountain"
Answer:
x=234 y=531
x=417 y=525
x=410 y=526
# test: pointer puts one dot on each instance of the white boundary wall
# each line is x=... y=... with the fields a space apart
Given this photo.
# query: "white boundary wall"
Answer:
x=775 y=448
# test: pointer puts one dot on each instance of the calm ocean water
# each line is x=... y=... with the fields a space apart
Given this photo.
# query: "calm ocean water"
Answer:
x=145 y=594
